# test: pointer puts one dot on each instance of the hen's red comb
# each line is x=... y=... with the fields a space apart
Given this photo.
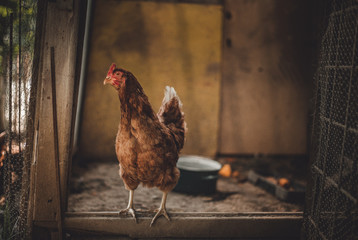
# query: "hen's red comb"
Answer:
x=110 y=71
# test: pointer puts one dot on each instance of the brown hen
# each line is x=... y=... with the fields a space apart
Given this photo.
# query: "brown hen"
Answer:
x=147 y=144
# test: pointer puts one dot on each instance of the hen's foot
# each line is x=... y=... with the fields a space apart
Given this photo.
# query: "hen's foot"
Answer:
x=130 y=211
x=161 y=212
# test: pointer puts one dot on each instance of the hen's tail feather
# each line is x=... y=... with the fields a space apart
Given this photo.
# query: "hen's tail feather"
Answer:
x=170 y=113
x=169 y=94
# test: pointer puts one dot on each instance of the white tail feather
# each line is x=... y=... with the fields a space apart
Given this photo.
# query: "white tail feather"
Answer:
x=169 y=94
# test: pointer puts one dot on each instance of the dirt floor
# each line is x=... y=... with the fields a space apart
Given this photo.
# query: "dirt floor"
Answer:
x=98 y=187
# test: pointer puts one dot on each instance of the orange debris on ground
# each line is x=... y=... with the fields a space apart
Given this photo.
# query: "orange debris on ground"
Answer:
x=284 y=182
x=225 y=171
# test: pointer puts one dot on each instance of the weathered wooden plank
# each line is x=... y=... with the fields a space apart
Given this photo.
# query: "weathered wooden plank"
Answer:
x=189 y=225
x=61 y=33
x=266 y=77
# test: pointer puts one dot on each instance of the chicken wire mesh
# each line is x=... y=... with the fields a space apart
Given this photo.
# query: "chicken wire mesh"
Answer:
x=332 y=209
x=17 y=35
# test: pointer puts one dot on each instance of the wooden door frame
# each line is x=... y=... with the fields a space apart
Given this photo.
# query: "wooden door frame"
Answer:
x=46 y=202
x=57 y=57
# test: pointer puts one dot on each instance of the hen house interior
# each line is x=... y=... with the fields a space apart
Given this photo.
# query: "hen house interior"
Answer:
x=270 y=99
x=243 y=76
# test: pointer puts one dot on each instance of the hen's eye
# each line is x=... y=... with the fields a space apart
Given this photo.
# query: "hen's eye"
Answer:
x=117 y=73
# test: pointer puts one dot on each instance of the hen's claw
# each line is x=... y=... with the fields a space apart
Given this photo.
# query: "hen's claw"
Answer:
x=130 y=211
x=129 y=208
x=161 y=212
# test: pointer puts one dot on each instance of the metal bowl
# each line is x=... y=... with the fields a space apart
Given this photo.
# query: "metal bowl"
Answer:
x=198 y=175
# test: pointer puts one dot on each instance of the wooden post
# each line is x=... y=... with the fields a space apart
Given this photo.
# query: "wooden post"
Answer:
x=61 y=30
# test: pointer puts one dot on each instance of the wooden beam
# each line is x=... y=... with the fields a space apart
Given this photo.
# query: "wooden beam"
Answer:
x=187 y=225
x=61 y=31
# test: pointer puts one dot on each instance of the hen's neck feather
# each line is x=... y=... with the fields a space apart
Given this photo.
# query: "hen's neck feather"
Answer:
x=134 y=102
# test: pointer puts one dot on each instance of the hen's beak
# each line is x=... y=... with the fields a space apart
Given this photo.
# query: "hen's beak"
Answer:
x=106 y=80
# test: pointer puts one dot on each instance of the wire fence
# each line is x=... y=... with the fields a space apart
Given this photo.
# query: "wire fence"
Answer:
x=332 y=203
x=17 y=35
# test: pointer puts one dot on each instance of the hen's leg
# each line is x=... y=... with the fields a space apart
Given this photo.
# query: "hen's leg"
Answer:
x=161 y=210
x=130 y=208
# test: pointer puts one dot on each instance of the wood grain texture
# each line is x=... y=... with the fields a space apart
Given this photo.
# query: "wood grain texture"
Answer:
x=64 y=39
x=188 y=225
x=266 y=77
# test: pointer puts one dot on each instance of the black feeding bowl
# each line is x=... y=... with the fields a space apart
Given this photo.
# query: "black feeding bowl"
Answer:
x=198 y=175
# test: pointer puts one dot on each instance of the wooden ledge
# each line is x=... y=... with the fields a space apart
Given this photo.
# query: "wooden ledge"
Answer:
x=188 y=225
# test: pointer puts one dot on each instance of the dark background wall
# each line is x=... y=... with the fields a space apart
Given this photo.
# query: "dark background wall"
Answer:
x=266 y=77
